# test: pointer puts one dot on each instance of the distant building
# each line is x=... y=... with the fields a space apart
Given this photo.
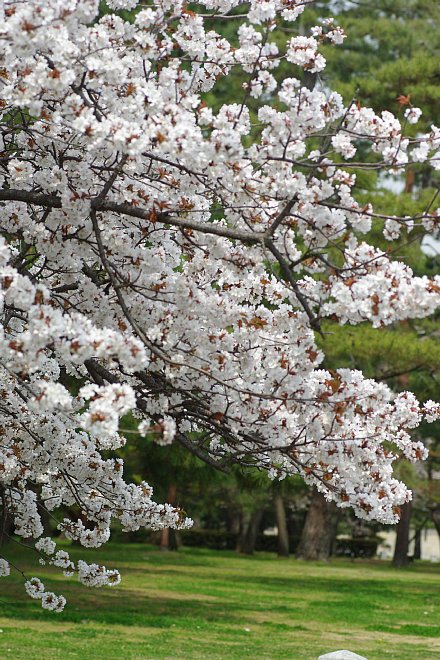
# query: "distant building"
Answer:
x=430 y=545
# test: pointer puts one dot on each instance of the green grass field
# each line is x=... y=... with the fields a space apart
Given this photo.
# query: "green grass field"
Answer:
x=203 y=604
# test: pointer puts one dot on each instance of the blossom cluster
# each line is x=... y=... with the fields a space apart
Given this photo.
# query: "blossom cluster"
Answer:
x=177 y=261
x=90 y=575
x=49 y=601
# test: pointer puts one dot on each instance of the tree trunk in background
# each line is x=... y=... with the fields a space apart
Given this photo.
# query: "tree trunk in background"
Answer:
x=168 y=539
x=418 y=544
x=6 y=527
x=233 y=521
x=402 y=539
x=244 y=522
x=165 y=539
x=283 y=535
x=410 y=179
x=435 y=515
x=247 y=546
x=45 y=518
x=320 y=529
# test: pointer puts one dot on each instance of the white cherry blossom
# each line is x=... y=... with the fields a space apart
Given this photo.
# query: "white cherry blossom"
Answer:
x=176 y=261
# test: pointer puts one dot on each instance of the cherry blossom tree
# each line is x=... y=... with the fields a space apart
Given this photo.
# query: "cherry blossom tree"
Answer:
x=178 y=262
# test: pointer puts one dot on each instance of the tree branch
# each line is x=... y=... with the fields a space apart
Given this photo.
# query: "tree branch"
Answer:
x=98 y=204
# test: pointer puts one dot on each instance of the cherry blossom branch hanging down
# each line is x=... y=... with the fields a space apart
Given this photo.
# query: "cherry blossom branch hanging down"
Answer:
x=177 y=261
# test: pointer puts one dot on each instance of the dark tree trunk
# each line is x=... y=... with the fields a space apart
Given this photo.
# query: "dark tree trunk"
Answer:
x=283 y=535
x=418 y=544
x=244 y=521
x=6 y=526
x=233 y=521
x=402 y=537
x=168 y=538
x=435 y=515
x=410 y=179
x=320 y=529
x=247 y=546
x=45 y=518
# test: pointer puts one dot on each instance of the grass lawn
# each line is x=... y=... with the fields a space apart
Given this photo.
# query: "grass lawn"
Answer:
x=204 y=604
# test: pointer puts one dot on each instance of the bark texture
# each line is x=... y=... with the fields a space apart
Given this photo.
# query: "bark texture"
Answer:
x=402 y=538
x=435 y=515
x=168 y=538
x=320 y=529
x=6 y=526
x=283 y=535
x=418 y=544
x=246 y=544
